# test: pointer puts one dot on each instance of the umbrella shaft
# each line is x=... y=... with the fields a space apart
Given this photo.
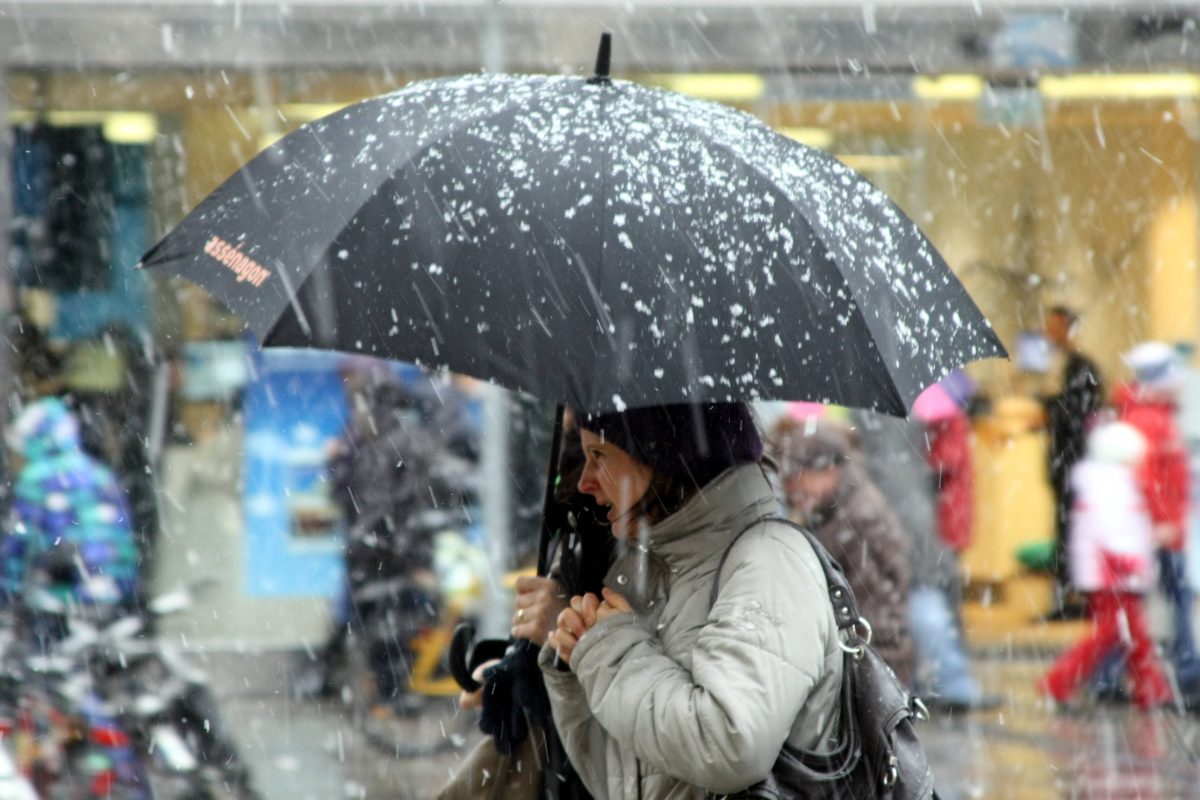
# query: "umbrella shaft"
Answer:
x=543 y=567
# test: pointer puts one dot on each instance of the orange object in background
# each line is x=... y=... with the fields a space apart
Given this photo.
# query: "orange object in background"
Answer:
x=1014 y=507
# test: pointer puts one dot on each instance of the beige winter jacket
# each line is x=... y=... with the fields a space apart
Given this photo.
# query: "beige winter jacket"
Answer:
x=682 y=698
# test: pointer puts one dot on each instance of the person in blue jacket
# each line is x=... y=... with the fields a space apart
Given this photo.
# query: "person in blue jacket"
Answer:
x=65 y=501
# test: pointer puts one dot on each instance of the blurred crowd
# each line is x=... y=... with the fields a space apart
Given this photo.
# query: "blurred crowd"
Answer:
x=79 y=490
x=1119 y=466
x=892 y=500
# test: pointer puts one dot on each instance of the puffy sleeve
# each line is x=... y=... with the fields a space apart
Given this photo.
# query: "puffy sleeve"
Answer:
x=758 y=657
x=583 y=738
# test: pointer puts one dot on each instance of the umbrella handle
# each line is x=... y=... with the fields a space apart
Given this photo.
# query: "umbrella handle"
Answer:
x=456 y=658
x=465 y=655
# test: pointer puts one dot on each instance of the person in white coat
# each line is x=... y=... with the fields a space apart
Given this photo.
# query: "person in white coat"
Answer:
x=657 y=689
x=1112 y=561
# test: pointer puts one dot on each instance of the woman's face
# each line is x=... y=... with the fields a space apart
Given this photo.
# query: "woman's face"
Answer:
x=809 y=489
x=614 y=478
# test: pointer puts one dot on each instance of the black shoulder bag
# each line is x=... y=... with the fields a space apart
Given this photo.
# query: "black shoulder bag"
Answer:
x=878 y=754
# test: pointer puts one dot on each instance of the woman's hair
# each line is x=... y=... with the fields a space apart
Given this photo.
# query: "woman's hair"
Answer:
x=664 y=497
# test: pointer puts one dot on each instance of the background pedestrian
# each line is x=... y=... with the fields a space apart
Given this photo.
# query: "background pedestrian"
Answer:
x=65 y=497
x=828 y=489
x=897 y=456
x=1112 y=561
x=1150 y=404
x=1079 y=395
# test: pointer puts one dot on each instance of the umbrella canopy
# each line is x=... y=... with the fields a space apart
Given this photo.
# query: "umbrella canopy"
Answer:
x=594 y=242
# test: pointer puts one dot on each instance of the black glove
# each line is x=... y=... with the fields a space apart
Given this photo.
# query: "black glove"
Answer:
x=502 y=719
x=514 y=696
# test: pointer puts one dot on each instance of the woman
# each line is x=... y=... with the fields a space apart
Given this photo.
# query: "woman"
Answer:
x=657 y=689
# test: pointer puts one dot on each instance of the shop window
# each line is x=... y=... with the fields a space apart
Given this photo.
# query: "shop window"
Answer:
x=80 y=224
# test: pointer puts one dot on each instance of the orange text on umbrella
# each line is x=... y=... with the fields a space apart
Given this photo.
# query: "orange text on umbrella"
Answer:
x=245 y=267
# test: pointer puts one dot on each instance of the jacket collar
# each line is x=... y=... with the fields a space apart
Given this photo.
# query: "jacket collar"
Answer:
x=703 y=527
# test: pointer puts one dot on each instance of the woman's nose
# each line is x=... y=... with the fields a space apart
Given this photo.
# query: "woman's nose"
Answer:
x=587 y=480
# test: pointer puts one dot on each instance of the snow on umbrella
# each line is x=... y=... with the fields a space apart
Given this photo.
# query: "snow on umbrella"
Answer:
x=593 y=242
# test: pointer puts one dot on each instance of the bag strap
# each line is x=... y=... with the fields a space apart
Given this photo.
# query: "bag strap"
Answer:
x=845 y=607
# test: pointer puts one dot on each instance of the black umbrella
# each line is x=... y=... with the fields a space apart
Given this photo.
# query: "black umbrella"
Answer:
x=594 y=242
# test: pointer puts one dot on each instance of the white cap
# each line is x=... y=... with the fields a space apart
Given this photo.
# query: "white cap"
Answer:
x=1116 y=443
x=1155 y=365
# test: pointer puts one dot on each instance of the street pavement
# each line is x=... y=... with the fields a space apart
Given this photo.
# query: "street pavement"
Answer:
x=1021 y=750
x=1028 y=750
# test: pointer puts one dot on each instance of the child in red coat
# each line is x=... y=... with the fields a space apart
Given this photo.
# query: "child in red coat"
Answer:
x=1111 y=557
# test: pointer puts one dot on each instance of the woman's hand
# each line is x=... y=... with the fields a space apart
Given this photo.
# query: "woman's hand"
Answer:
x=613 y=604
x=469 y=700
x=583 y=613
x=539 y=603
x=573 y=622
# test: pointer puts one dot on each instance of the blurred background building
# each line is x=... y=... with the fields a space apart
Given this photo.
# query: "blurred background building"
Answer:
x=1049 y=149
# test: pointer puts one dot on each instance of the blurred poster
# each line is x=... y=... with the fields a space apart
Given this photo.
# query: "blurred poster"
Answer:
x=215 y=370
x=296 y=408
x=294 y=405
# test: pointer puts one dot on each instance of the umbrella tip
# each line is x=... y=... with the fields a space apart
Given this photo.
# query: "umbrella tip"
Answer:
x=603 y=60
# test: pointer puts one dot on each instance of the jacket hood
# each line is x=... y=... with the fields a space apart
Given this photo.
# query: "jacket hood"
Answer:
x=44 y=429
x=810 y=444
x=853 y=481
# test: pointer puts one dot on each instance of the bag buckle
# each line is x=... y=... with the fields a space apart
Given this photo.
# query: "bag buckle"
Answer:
x=864 y=638
x=893 y=772
x=920 y=709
